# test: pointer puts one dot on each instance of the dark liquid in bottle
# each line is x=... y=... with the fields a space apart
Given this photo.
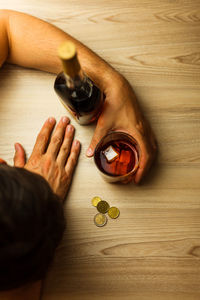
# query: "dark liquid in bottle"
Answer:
x=125 y=161
x=84 y=102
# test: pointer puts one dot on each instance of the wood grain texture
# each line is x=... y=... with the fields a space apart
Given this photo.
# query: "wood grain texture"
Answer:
x=153 y=250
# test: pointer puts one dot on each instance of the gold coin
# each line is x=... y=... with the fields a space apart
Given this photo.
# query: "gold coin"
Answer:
x=100 y=220
x=113 y=212
x=103 y=207
x=95 y=201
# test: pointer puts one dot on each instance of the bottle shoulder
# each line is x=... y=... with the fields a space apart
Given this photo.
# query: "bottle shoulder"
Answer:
x=60 y=78
x=78 y=87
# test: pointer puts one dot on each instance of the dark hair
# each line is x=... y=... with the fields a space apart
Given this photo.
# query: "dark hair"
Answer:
x=31 y=226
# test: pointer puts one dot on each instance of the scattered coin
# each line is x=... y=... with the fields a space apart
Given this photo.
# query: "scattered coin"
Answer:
x=100 y=220
x=95 y=201
x=103 y=207
x=113 y=212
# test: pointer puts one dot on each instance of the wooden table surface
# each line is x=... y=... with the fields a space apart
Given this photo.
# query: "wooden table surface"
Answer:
x=152 y=251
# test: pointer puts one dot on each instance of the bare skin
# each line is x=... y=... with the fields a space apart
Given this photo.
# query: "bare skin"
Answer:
x=121 y=110
x=55 y=161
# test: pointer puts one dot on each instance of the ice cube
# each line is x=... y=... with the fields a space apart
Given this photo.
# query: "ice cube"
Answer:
x=121 y=168
x=110 y=154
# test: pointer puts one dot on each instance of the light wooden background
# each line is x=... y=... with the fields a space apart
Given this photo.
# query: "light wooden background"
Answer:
x=153 y=250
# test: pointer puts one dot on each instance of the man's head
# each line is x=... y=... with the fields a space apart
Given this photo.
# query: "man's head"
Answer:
x=31 y=226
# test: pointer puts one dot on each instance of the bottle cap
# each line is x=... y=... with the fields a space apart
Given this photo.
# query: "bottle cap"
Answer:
x=68 y=55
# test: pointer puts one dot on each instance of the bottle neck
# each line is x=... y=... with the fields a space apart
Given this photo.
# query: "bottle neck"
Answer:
x=80 y=82
x=75 y=81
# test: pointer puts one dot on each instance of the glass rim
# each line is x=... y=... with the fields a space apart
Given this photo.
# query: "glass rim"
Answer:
x=138 y=152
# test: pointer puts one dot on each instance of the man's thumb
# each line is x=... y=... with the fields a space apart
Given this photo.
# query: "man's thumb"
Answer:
x=19 y=158
x=98 y=134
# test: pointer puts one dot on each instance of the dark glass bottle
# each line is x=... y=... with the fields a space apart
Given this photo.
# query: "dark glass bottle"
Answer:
x=77 y=92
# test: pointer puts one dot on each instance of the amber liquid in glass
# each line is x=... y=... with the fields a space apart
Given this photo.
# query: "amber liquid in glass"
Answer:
x=124 y=162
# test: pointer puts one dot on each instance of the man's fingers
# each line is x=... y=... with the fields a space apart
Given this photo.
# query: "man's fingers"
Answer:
x=66 y=146
x=73 y=158
x=98 y=134
x=153 y=141
x=19 y=158
x=43 y=137
x=146 y=160
x=57 y=137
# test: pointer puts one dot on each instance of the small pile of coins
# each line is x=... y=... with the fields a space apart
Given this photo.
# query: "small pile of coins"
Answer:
x=103 y=207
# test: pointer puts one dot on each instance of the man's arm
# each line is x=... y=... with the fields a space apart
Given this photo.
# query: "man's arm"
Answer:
x=30 y=42
x=54 y=157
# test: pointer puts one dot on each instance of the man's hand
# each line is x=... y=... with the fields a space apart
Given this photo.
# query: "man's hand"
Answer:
x=53 y=157
x=121 y=113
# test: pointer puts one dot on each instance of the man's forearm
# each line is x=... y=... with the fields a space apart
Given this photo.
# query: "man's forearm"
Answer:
x=33 y=43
